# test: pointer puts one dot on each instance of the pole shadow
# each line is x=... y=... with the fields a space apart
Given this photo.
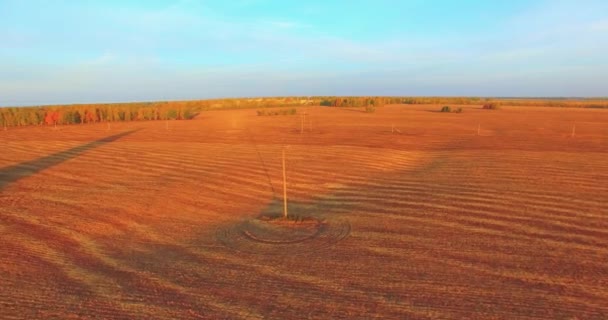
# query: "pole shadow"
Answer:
x=12 y=174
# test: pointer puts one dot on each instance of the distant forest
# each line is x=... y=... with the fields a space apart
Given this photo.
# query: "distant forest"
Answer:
x=182 y=110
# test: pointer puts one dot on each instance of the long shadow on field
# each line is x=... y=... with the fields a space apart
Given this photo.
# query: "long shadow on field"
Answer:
x=25 y=169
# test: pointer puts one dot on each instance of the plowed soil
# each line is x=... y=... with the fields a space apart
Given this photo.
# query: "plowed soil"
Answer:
x=411 y=213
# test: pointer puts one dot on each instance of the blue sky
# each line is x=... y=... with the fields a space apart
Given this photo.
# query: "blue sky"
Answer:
x=104 y=51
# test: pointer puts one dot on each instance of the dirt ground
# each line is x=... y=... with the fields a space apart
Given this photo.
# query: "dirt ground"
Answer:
x=412 y=213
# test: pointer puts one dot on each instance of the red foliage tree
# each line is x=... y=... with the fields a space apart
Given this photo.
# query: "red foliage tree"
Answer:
x=90 y=116
x=51 y=117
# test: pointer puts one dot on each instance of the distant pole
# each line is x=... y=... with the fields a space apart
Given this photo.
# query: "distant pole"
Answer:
x=284 y=187
x=573 y=130
x=310 y=123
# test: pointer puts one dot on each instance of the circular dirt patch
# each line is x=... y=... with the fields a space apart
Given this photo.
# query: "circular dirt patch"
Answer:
x=278 y=231
x=282 y=236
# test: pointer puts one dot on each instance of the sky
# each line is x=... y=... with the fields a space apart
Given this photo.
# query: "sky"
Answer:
x=118 y=50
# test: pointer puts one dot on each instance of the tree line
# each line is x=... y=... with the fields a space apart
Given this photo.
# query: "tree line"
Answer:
x=138 y=111
x=540 y=102
x=92 y=113
x=169 y=110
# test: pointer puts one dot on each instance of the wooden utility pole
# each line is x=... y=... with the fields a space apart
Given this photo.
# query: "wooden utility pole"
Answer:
x=573 y=130
x=284 y=188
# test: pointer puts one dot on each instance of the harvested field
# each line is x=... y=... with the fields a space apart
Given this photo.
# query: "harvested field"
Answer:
x=487 y=214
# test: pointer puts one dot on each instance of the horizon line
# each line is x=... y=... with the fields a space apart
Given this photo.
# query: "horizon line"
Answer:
x=26 y=104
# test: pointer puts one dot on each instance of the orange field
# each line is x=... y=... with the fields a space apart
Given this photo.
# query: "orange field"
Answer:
x=408 y=213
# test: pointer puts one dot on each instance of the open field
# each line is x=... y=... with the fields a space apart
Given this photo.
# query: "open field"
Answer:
x=487 y=214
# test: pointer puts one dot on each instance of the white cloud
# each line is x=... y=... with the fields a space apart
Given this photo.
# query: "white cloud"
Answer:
x=105 y=58
x=285 y=24
x=601 y=26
